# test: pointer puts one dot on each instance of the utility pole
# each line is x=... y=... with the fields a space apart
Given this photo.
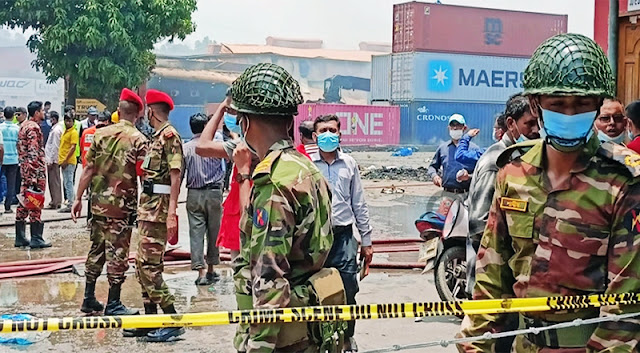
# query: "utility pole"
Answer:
x=612 y=51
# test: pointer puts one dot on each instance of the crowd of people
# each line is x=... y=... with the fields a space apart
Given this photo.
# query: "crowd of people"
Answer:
x=553 y=203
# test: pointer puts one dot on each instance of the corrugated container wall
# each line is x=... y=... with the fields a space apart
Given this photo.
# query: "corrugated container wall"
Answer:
x=455 y=77
x=179 y=118
x=426 y=122
x=380 y=78
x=460 y=29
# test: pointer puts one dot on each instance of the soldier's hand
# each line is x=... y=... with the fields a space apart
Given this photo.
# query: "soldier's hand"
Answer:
x=172 y=226
x=76 y=210
x=242 y=158
x=366 y=255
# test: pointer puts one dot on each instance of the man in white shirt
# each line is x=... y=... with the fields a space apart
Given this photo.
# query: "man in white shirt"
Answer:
x=51 y=151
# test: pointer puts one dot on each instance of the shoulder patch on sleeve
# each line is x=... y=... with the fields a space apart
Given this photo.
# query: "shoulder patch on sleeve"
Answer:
x=168 y=133
x=624 y=156
x=514 y=151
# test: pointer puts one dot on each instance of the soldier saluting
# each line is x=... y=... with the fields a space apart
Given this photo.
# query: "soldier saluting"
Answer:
x=286 y=231
x=564 y=218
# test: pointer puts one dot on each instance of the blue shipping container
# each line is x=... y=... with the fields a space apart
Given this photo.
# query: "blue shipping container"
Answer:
x=426 y=122
x=179 y=118
x=455 y=77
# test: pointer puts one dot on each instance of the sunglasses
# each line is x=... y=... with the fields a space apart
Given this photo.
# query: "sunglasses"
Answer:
x=616 y=118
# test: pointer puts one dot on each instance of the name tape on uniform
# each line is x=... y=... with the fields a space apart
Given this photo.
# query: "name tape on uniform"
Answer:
x=322 y=313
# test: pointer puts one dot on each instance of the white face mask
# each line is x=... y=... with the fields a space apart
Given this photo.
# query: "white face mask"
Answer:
x=456 y=134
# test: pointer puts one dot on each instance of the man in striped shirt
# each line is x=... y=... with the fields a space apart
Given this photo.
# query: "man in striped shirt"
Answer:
x=205 y=177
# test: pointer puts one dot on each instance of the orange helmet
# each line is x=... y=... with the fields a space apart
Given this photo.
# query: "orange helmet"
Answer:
x=32 y=199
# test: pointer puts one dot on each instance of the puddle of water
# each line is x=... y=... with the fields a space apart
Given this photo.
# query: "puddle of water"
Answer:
x=397 y=218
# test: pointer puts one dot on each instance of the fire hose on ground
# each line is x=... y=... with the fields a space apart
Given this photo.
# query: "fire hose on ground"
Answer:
x=177 y=257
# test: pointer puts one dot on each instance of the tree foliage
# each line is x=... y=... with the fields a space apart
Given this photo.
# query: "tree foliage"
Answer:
x=100 y=45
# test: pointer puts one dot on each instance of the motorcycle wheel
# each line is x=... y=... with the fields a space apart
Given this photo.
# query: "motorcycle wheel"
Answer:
x=451 y=274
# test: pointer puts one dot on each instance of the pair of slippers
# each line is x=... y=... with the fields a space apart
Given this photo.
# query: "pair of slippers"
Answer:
x=209 y=279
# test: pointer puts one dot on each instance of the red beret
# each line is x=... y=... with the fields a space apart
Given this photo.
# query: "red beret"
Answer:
x=154 y=96
x=130 y=96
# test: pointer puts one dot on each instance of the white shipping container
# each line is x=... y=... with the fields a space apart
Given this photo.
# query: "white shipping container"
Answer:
x=380 y=78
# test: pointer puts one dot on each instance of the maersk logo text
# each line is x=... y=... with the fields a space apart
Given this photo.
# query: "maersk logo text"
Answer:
x=490 y=78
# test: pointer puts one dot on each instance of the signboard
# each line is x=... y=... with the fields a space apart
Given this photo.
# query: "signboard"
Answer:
x=28 y=87
x=633 y=5
x=455 y=77
x=83 y=105
x=359 y=124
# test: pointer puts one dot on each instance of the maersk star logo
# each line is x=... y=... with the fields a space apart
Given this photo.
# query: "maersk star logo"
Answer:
x=440 y=75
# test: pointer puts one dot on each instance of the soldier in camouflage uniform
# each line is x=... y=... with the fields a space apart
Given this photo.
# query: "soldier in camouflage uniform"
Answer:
x=564 y=219
x=157 y=217
x=285 y=232
x=111 y=164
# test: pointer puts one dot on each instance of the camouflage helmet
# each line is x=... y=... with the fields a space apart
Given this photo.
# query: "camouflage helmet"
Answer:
x=266 y=89
x=569 y=64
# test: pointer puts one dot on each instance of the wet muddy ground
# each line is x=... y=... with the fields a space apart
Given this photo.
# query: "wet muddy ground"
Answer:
x=60 y=295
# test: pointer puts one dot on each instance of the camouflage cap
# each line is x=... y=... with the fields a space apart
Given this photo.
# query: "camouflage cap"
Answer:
x=266 y=89
x=569 y=64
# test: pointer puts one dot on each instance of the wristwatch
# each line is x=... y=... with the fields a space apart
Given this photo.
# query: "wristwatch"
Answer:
x=242 y=177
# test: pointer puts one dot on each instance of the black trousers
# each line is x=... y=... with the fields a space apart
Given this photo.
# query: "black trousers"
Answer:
x=10 y=172
x=344 y=257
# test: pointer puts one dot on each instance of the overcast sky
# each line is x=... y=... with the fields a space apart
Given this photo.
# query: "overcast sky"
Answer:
x=343 y=23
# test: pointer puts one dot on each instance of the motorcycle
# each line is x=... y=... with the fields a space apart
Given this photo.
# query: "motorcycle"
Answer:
x=450 y=269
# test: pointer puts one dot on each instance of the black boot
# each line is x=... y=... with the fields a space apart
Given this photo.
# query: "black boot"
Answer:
x=166 y=334
x=21 y=234
x=149 y=309
x=37 y=242
x=90 y=303
x=115 y=306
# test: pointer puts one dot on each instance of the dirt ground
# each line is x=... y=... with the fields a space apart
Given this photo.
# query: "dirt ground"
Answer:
x=392 y=216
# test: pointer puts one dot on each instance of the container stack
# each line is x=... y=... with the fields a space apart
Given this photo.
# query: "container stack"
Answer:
x=455 y=59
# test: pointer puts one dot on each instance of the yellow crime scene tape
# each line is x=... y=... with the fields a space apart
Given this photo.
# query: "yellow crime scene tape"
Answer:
x=322 y=313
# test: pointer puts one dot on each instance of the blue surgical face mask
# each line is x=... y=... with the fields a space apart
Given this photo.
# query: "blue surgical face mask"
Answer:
x=522 y=138
x=567 y=132
x=603 y=137
x=328 y=141
x=231 y=121
x=494 y=136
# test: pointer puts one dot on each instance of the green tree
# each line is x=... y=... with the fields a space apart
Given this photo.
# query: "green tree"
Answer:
x=98 y=46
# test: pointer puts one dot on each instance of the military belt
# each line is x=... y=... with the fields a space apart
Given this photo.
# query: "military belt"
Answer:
x=570 y=337
x=150 y=188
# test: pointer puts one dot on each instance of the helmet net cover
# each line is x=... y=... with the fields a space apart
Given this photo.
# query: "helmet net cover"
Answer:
x=266 y=89
x=569 y=64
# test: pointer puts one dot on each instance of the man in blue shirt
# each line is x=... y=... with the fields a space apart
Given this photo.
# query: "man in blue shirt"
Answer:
x=9 y=132
x=448 y=178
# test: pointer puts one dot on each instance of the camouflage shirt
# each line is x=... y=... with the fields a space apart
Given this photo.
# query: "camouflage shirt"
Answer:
x=285 y=235
x=578 y=239
x=114 y=153
x=164 y=154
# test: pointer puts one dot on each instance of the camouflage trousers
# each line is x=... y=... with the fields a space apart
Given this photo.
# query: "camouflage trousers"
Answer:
x=110 y=239
x=150 y=263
